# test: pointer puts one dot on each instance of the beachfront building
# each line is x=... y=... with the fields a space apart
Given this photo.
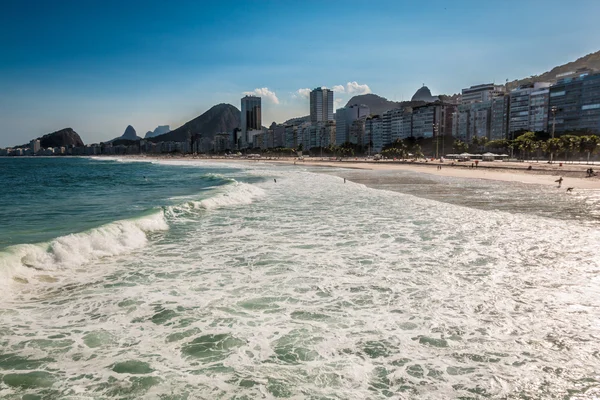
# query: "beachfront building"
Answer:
x=374 y=133
x=538 y=109
x=343 y=119
x=483 y=112
x=357 y=132
x=251 y=118
x=431 y=119
x=499 y=120
x=291 y=136
x=576 y=101
x=321 y=105
x=397 y=124
x=276 y=134
x=222 y=142
x=521 y=106
x=481 y=93
x=325 y=133
x=34 y=146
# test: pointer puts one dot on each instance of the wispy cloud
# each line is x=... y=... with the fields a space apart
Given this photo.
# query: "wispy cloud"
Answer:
x=265 y=93
x=339 y=88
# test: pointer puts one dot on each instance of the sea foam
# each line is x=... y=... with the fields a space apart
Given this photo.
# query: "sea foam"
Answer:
x=23 y=262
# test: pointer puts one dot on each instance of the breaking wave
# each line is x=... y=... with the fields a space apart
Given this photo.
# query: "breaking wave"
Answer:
x=23 y=262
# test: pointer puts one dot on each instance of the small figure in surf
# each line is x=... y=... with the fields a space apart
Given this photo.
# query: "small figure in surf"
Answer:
x=559 y=180
x=274 y=180
x=569 y=190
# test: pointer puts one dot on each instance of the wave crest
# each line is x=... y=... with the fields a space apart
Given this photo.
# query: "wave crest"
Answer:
x=22 y=262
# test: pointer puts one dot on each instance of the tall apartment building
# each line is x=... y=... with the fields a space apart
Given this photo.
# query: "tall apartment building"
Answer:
x=482 y=113
x=520 y=106
x=357 y=131
x=251 y=118
x=34 y=146
x=500 y=113
x=397 y=124
x=343 y=119
x=481 y=93
x=577 y=104
x=538 y=109
x=374 y=133
x=429 y=118
x=321 y=105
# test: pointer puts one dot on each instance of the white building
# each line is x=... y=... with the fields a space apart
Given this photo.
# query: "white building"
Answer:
x=481 y=93
x=34 y=146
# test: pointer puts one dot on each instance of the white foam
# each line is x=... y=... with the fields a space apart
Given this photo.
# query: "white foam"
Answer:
x=25 y=261
x=236 y=194
x=229 y=195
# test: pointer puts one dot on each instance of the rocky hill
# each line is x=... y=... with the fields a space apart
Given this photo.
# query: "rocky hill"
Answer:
x=220 y=118
x=379 y=105
x=62 y=138
x=160 y=130
x=591 y=61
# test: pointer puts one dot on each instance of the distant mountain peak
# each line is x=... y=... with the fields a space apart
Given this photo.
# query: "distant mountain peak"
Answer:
x=159 y=130
x=219 y=118
x=130 y=133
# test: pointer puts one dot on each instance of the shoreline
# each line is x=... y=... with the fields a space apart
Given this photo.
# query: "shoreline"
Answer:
x=574 y=175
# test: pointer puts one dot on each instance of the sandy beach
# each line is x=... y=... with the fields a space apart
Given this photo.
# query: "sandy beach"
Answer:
x=574 y=175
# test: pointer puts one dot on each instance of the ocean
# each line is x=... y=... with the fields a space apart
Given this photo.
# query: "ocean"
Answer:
x=125 y=279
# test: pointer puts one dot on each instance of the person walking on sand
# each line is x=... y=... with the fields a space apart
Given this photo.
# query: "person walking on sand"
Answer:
x=344 y=180
x=559 y=180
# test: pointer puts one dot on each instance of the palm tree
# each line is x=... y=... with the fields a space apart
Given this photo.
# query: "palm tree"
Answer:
x=553 y=146
x=569 y=143
x=589 y=144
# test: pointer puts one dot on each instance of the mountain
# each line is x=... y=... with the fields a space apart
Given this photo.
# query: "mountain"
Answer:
x=160 y=130
x=63 y=138
x=379 y=105
x=590 y=61
x=297 y=120
x=220 y=118
x=128 y=136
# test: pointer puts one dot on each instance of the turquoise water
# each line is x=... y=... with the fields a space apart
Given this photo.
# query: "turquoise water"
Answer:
x=44 y=198
x=420 y=287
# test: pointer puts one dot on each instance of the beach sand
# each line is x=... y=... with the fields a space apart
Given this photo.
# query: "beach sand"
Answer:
x=542 y=173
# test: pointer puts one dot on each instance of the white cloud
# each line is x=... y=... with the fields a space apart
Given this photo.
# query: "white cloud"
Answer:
x=339 y=88
x=264 y=92
x=356 y=88
x=303 y=93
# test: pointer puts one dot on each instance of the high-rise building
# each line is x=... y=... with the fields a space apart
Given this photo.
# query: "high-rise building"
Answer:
x=480 y=93
x=479 y=112
x=374 y=133
x=499 y=117
x=428 y=118
x=538 y=109
x=251 y=118
x=576 y=101
x=520 y=106
x=343 y=119
x=321 y=105
x=34 y=146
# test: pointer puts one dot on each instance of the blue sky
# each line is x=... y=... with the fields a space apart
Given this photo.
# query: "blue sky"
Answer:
x=98 y=66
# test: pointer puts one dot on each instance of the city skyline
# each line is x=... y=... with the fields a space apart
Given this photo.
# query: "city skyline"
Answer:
x=133 y=66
